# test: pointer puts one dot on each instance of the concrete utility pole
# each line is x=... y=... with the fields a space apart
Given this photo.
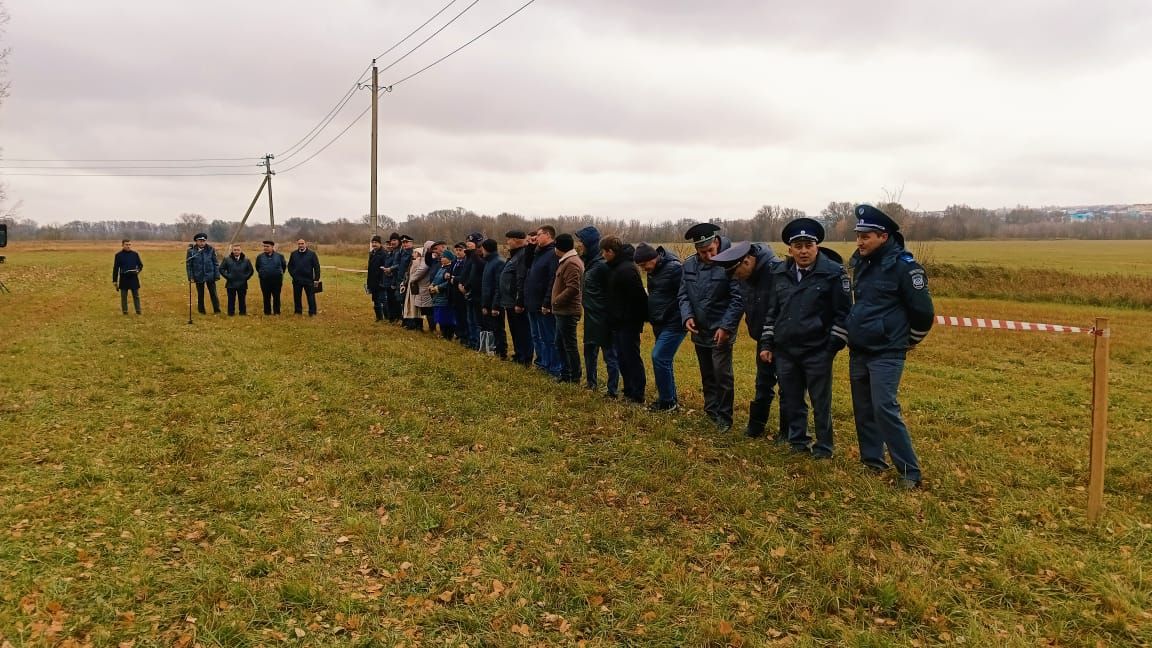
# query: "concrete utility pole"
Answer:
x=375 y=135
x=268 y=173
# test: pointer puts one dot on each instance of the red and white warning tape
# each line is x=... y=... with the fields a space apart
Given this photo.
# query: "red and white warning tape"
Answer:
x=1008 y=325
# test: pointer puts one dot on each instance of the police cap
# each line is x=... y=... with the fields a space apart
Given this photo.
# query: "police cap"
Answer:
x=701 y=234
x=730 y=258
x=803 y=228
x=870 y=219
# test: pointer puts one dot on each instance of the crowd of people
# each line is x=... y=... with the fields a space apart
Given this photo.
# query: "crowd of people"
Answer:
x=524 y=304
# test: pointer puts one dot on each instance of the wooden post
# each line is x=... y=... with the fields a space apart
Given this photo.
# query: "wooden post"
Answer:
x=1099 y=443
x=252 y=204
x=271 y=211
x=375 y=135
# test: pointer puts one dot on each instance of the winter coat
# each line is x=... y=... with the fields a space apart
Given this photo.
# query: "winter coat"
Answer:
x=567 y=288
x=126 y=269
x=411 y=310
x=596 y=276
x=511 y=279
x=443 y=285
x=490 y=286
x=201 y=264
x=627 y=301
x=893 y=308
x=304 y=267
x=807 y=315
x=473 y=275
x=236 y=271
x=270 y=266
x=420 y=277
x=538 y=283
x=377 y=261
x=663 y=290
x=401 y=261
x=756 y=291
x=710 y=297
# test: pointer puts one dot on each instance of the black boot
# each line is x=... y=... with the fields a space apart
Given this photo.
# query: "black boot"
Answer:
x=757 y=420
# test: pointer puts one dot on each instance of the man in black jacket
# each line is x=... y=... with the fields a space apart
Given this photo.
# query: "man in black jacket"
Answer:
x=512 y=298
x=597 y=332
x=471 y=285
x=538 y=302
x=374 y=286
x=803 y=331
x=665 y=273
x=628 y=310
x=126 y=269
x=270 y=266
x=304 y=268
x=236 y=270
x=490 y=308
x=395 y=271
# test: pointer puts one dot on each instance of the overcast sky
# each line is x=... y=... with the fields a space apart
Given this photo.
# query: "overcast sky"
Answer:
x=649 y=109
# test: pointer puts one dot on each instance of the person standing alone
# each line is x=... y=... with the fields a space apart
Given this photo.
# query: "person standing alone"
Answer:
x=126 y=269
x=304 y=268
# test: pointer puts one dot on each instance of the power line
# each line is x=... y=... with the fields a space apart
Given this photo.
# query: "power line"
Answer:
x=102 y=167
x=414 y=74
x=311 y=135
x=110 y=160
x=430 y=37
x=125 y=175
x=478 y=37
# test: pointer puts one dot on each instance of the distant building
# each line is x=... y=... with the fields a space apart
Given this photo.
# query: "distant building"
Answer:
x=1082 y=217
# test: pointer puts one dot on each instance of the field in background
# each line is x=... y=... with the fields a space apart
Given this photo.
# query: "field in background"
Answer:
x=330 y=481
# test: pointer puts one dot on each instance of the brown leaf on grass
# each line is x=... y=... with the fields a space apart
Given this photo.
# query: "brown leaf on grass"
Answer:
x=299 y=632
x=779 y=552
x=596 y=600
x=724 y=628
x=446 y=596
x=521 y=629
x=497 y=588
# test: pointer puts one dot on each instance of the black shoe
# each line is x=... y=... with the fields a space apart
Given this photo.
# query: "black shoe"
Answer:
x=799 y=450
x=822 y=456
x=664 y=406
x=723 y=426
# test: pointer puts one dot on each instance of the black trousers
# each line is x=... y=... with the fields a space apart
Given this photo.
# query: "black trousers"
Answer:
x=762 y=401
x=811 y=373
x=237 y=296
x=521 y=331
x=395 y=304
x=270 y=288
x=380 y=302
x=495 y=322
x=211 y=293
x=627 y=341
x=124 y=299
x=717 y=381
x=568 y=347
x=310 y=290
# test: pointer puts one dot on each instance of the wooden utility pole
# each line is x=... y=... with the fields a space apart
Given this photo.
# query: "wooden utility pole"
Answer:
x=375 y=135
x=1099 y=443
x=266 y=182
x=268 y=173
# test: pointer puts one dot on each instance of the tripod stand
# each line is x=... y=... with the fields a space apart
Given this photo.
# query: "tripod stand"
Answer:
x=4 y=288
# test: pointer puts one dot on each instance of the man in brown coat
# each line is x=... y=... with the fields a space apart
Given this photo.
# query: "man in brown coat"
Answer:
x=567 y=304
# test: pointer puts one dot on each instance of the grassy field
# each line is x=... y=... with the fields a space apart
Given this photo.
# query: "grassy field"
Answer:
x=330 y=481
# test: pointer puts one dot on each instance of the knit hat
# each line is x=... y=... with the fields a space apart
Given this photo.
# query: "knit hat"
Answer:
x=645 y=253
x=565 y=243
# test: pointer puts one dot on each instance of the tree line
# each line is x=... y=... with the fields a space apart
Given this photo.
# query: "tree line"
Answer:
x=957 y=222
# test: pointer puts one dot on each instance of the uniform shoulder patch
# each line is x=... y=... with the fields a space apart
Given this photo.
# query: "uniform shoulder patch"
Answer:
x=919 y=279
x=907 y=257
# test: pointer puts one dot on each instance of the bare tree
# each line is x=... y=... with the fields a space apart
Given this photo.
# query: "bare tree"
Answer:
x=190 y=225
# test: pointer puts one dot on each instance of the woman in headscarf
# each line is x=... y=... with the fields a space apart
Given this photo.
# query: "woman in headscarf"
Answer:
x=413 y=318
x=443 y=311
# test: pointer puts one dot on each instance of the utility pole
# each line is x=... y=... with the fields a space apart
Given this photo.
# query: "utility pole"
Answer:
x=375 y=135
x=268 y=173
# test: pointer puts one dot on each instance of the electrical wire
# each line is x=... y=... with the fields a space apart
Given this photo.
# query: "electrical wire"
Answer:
x=102 y=167
x=410 y=76
x=430 y=37
x=478 y=37
x=237 y=159
x=311 y=135
x=125 y=175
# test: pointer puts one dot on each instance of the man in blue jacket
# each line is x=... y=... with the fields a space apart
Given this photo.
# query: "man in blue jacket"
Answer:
x=803 y=331
x=538 y=301
x=374 y=286
x=892 y=313
x=395 y=272
x=202 y=269
x=270 y=267
x=665 y=273
x=304 y=268
x=711 y=308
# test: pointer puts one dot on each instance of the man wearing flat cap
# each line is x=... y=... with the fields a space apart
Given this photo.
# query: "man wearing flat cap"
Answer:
x=711 y=308
x=892 y=313
x=203 y=269
x=751 y=265
x=803 y=331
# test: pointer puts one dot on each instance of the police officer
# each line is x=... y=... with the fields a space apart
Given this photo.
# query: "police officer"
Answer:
x=803 y=331
x=203 y=269
x=752 y=266
x=710 y=308
x=892 y=313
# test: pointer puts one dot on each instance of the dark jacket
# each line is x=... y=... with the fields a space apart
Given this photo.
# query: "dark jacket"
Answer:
x=126 y=269
x=526 y=260
x=201 y=264
x=756 y=291
x=236 y=272
x=490 y=285
x=400 y=263
x=511 y=279
x=893 y=308
x=538 y=283
x=377 y=261
x=663 y=290
x=473 y=276
x=710 y=297
x=627 y=301
x=270 y=266
x=596 y=276
x=807 y=316
x=304 y=267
